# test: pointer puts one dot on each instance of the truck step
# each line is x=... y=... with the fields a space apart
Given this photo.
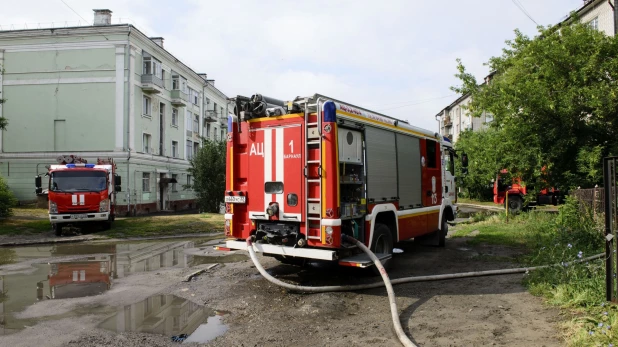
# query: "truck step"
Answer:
x=362 y=260
x=313 y=142
x=314 y=199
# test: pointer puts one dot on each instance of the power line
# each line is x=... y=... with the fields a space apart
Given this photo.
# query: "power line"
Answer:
x=417 y=103
x=67 y=5
x=70 y=8
x=521 y=7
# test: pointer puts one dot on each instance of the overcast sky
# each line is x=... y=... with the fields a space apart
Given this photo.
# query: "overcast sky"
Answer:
x=393 y=56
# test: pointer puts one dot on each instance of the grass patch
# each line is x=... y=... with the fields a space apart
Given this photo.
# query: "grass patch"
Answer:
x=166 y=225
x=578 y=288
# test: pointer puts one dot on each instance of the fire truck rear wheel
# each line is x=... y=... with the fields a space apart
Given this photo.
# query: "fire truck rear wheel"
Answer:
x=515 y=204
x=382 y=243
x=57 y=229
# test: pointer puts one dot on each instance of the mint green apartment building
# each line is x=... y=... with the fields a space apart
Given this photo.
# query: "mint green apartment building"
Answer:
x=105 y=91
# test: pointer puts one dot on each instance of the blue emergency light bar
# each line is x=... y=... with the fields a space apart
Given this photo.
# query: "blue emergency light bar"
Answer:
x=72 y=166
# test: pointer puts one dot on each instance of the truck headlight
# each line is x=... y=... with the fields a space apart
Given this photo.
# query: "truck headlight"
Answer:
x=53 y=208
x=329 y=231
x=104 y=206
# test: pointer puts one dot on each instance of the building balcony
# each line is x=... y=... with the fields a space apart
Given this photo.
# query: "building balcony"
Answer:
x=447 y=121
x=179 y=98
x=152 y=84
x=210 y=116
x=223 y=120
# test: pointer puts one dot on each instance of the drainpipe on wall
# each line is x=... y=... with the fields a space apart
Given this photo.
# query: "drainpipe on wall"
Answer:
x=128 y=62
x=615 y=17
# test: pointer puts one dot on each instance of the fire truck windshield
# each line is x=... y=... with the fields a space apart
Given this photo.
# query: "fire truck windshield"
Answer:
x=78 y=181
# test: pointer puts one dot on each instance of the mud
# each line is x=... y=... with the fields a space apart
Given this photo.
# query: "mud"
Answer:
x=240 y=308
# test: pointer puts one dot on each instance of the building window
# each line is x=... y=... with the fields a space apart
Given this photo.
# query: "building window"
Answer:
x=152 y=66
x=179 y=82
x=207 y=101
x=207 y=130
x=489 y=117
x=146 y=143
x=222 y=134
x=214 y=134
x=145 y=181
x=175 y=117
x=194 y=95
x=146 y=106
x=174 y=149
x=594 y=24
x=196 y=148
x=221 y=114
x=174 y=187
x=214 y=108
x=189 y=151
x=189 y=180
x=196 y=123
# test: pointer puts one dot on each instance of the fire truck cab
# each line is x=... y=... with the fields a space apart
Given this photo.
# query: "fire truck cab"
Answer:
x=302 y=173
x=80 y=192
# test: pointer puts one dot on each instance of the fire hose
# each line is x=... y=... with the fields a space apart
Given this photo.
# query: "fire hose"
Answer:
x=403 y=338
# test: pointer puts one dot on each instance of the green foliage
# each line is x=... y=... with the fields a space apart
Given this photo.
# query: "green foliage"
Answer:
x=208 y=171
x=7 y=200
x=554 y=99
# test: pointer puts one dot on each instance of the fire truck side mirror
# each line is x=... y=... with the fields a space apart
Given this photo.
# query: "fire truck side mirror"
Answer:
x=464 y=160
x=117 y=183
x=37 y=182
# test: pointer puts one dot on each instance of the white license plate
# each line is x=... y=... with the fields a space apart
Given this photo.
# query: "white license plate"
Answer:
x=79 y=216
x=235 y=199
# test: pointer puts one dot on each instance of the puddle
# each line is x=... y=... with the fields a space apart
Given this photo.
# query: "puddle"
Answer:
x=91 y=271
x=168 y=315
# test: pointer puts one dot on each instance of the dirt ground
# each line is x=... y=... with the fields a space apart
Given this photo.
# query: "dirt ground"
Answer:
x=464 y=312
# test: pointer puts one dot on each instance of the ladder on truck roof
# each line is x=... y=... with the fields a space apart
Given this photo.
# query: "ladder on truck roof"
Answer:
x=313 y=136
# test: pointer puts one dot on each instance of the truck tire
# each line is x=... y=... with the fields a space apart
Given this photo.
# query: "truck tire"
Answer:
x=57 y=228
x=515 y=204
x=382 y=242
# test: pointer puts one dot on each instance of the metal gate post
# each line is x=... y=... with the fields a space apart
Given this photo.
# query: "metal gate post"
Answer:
x=610 y=182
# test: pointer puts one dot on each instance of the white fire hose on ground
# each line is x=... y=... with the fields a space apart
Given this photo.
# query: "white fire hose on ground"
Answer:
x=388 y=283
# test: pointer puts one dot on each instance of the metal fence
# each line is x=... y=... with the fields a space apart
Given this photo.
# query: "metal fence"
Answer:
x=593 y=198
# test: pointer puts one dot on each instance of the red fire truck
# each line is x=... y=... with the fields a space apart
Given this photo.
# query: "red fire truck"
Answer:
x=302 y=173
x=517 y=191
x=80 y=192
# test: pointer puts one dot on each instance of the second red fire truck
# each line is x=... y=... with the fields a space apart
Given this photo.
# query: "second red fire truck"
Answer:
x=301 y=174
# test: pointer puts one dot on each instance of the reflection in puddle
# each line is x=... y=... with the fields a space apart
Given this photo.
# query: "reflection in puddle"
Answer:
x=167 y=315
x=90 y=274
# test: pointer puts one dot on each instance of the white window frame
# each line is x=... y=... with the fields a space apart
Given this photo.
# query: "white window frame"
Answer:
x=594 y=23
x=174 y=117
x=174 y=149
x=196 y=123
x=146 y=181
x=189 y=149
x=146 y=149
x=152 y=66
x=146 y=106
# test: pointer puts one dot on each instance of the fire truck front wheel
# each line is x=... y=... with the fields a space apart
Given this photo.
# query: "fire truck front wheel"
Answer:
x=383 y=243
x=515 y=204
x=57 y=228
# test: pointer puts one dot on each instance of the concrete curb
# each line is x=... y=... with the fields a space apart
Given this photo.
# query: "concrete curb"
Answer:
x=198 y=272
x=483 y=207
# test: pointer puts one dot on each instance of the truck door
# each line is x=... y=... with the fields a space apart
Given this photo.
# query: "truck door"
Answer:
x=431 y=180
x=276 y=171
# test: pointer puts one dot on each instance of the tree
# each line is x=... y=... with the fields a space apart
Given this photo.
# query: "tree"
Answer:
x=7 y=200
x=554 y=98
x=208 y=171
